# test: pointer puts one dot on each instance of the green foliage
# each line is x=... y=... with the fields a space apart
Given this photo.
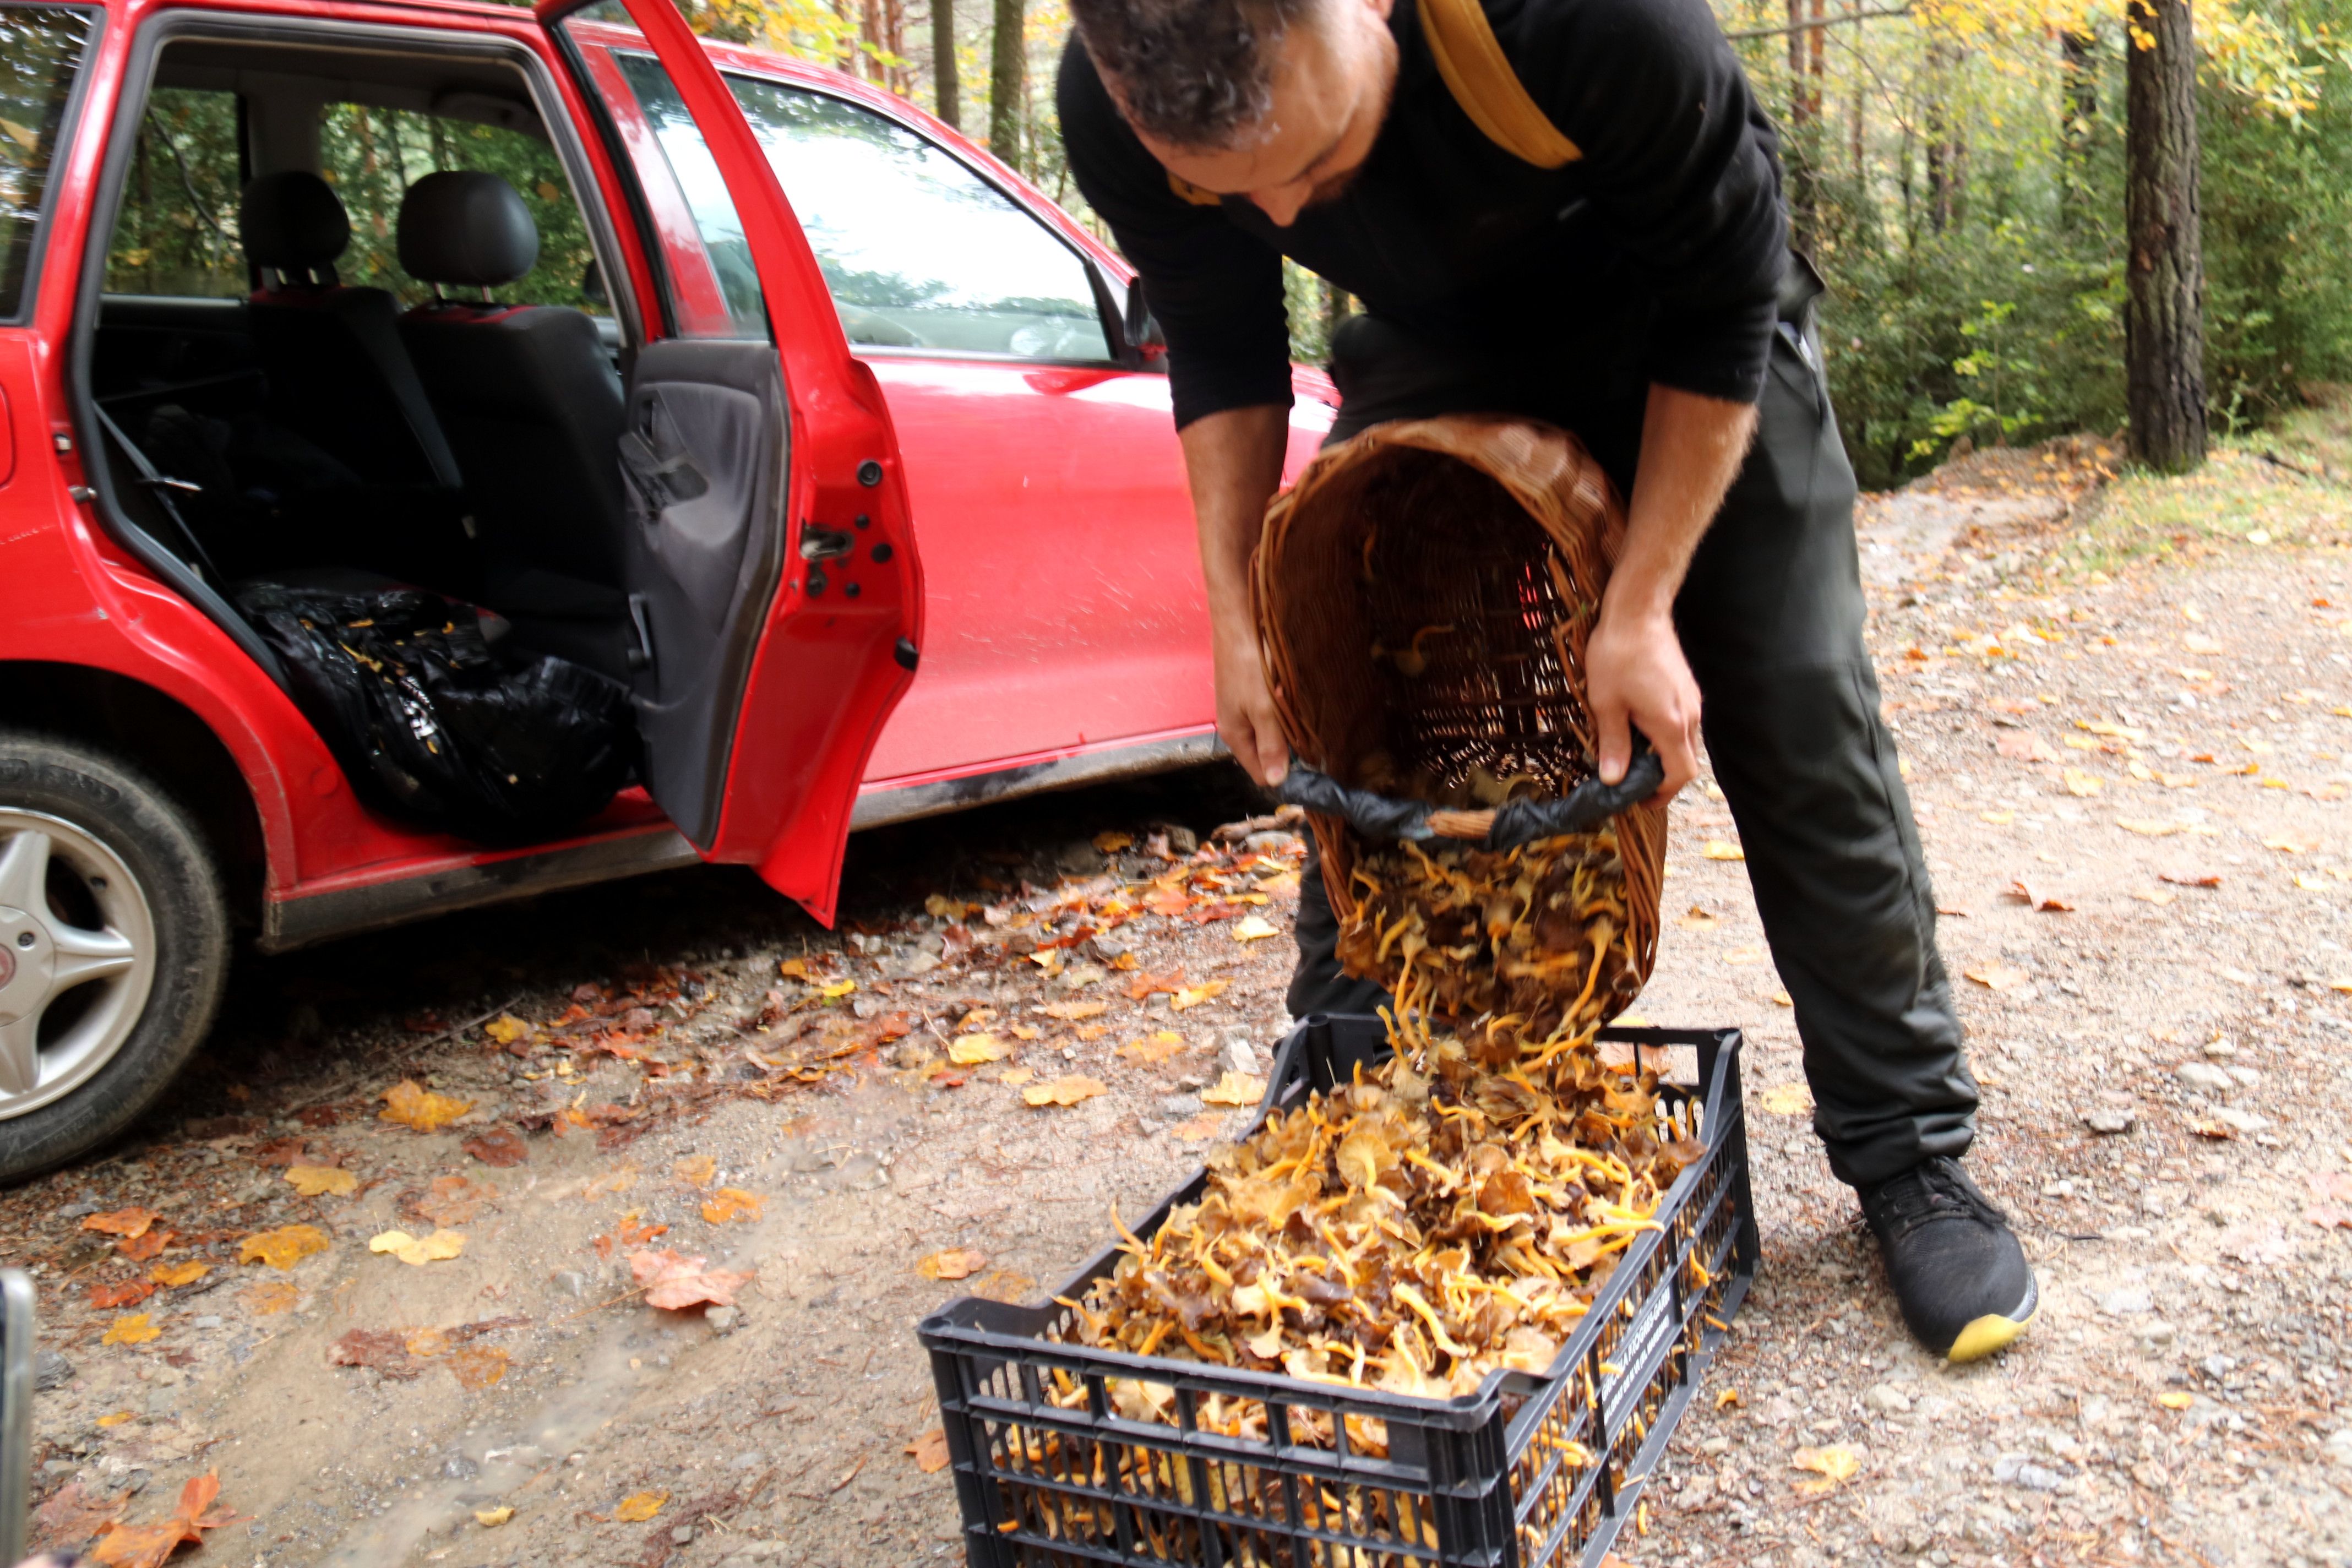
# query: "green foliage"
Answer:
x=177 y=230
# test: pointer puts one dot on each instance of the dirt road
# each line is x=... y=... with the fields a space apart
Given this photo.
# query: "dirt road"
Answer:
x=2116 y=701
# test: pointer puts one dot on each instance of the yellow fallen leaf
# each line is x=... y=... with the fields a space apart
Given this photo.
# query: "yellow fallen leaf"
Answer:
x=478 y=1366
x=1112 y=842
x=506 y=1028
x=2285 y=844
x=639 y=1507
x=1995 y=976
x=1193 y=996
x=1832 y=1465
x=833 y=993
x=1027 y=1032
x=2156 y=896
x=795 y=969
x=2175 y=1399
x=1068 y=1090
x=1235 y=1088
x=2120 y=731
x=695 y=1170
x=2310 y=884
x=1254 y=928
x=412 y=1106
x=1780 y=999
x=274 y=1297
x=132 y=1329
x=952 y=1263
x=1014 y=1077
x=318 y=1180
x=1698 y=918
x=1787 y=1100
x=1200 y=1128
x=1729 y=1396
x=1152 y=1051
x=117 y=1419
x=1723 y=849
x=416 y=1251
x=732 y=1203
x=970 y=1050
x=492 y=1517
x=2148 y=828
x=2079 y=783
x=282 y=1247
x=1075 y=1012
x=1997 y=818
x=186 y=1273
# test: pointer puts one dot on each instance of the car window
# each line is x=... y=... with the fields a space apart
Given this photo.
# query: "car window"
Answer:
x=919 y=251
x=41 y=49
x=372 y=156
x=697 y=176
x=176 y=233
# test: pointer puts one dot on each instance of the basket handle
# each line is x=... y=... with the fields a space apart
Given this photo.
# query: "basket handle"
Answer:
x=1505 y=826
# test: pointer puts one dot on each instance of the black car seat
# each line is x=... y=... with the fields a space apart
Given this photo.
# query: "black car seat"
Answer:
x=337 y=374
x=534 y=406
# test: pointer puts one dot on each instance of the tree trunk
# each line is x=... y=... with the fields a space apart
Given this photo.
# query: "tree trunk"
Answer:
x=2163 y=306
x=946 y=87
x=1008 y=81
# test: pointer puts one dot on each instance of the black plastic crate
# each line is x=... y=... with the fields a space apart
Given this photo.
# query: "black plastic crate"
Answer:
x=1261 y=1470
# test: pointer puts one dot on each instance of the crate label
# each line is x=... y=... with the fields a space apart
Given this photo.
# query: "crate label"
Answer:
x=1637 y=1354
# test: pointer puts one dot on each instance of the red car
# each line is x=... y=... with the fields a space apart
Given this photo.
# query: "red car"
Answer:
x=476 y=293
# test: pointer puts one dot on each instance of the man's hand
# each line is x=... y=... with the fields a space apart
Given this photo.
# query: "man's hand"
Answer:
x=1246 y=718
x=1634 y=672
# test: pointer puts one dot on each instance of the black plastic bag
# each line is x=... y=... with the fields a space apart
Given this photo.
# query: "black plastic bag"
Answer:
x=432 y=722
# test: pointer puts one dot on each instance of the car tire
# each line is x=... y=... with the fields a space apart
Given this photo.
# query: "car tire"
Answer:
x=115 y=941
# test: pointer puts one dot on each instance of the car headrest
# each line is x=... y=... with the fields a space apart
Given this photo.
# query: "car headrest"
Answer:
x=292 y=221
x=466 y=227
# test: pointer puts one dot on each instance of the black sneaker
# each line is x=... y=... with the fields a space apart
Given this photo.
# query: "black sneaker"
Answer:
x=1957 y=1267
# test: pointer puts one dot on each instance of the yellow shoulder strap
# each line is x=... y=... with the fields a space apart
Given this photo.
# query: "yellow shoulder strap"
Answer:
x=1471 y=61
x=1192 y=193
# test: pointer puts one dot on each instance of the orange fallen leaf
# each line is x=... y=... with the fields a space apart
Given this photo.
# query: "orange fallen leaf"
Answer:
x=478 y=1366
x=147 y=1545
x=639 y=1507
x=929 y=1451
x=1193 y=996
x=1995 y=976
x=186 y=1273
x=274 y=1297
x=320 y=1181
x=453 y=1200
x=413 y=1106
x=1235 y=1088
x=140 y=1249
x=1200 y=1129
x=1143 y=985
x=125 y=1223
x=1075 y=1012
x=117 y=1419
x=1014 y=1077
x=500 y=1146
x=674 y=1283
x=282 y=1247
x=952 y=1263
x=119 y=1293
x=972 y=1050
x=695 y=1170
x=732 y=1203
x=1068 y=1090
x=131 y=1329
x=2034 y=898
x=1152 y=1052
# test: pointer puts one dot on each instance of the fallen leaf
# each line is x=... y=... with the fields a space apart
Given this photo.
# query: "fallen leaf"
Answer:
x=1201 y=1128
x=2285 y=845
x=1152 y=1052
x=2023 y=746
x=453 y=1200
x=492 y=1517
x=117 y=1419
x=674 y=1283
x=186 y=1273
x=1834 y=1466
x=695 y=1170
x=1697 y=919
x=132 y=1329
x=1778 y=999
x=140 y=1249
x=382 y=1349
x=929 y=1451
x=441 y=1246
x=795 y=969
x=282 y=1247
x=147 y=1545
x=1143 y=985
x=1995 y=976
x=952 y=1263
x=1235 y=1088
x=2192 y=879
x=1254 y=928
x=2034 y=898
x=272 y=1298
x=73 y=1514
x=837 y=990
x=2079 y=783
x=412 y=1106
x=2175 y=1399
x=499 y=1146
x=119 y=1293
x=1723 y=849
x=2156 y=896
x=639 y=1507
x=477 y=1366
x=1068 y=1091
x=1997 y=818
x=506 y=1028
x=1002 y=1284
x=318 y=1181
x=1193 y=996
x=1112 y=842
x=732 y=1203
x=1787 y=1100
x=1075 y=1012
x=125 y=1223
x=972 y=1050
x=1014 y=1077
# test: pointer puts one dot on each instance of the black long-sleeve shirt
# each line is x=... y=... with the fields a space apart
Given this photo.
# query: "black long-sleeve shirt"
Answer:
x=1656 y=257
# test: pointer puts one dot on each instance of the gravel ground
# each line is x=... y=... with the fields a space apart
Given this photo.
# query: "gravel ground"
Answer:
x=2156 y=738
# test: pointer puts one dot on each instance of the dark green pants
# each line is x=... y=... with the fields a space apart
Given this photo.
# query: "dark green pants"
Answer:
x=1771 y=620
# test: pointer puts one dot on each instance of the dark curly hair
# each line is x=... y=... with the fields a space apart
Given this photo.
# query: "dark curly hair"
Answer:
x=1191 y=72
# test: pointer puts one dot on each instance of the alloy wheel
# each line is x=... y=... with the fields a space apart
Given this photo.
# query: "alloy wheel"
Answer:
x=76 y=958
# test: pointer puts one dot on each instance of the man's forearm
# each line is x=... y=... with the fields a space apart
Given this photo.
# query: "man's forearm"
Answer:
x=1233 y=460
x=1692 y=448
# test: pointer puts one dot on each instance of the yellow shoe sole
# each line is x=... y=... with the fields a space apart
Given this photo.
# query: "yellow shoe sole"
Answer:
x=1988 y=1333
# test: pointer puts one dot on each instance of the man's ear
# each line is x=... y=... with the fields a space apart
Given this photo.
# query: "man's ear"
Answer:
x=1379 y=8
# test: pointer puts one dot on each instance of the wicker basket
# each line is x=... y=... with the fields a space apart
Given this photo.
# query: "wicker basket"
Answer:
x=1423 y=594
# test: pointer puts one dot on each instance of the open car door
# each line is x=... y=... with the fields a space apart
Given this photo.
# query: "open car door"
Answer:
x=774 y=591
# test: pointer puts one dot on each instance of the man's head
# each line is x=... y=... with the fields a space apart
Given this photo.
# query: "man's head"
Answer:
x=1279 y=100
